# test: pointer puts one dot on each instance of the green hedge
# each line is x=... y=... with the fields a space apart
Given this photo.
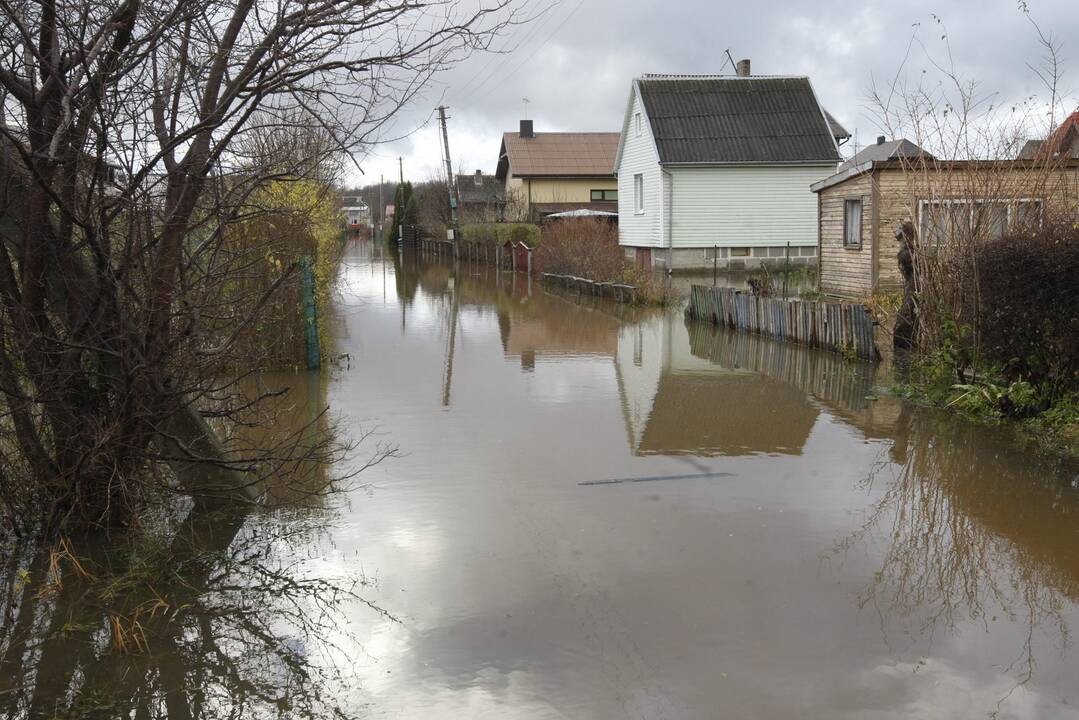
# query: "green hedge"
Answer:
x=501 y=233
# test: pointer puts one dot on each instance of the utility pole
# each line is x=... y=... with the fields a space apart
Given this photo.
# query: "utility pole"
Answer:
x=401 y=167
x=381 y=205
x=451 y=186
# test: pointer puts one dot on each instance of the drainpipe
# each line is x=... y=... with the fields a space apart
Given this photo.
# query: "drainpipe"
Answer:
x=670 y=220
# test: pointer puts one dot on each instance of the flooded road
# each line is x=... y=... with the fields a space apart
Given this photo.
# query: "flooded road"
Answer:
x=595 y=512
x=601 y=512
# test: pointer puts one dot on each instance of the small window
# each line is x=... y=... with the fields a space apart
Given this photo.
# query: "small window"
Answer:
x=739 y=252
x=637 y=124
x=852 y=223
x=600 y=195
x=638 y=193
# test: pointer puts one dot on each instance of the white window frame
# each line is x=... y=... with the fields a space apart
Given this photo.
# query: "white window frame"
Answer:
x=637 y=124
x=857 y=244
x=638 y=194
x=1012 y=205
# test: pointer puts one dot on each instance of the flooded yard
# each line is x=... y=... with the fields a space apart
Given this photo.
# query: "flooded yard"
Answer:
x=598 y=511
x=604 y=512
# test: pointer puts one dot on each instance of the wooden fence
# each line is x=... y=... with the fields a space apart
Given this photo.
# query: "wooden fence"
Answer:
x=840 y=327
x=583 y=286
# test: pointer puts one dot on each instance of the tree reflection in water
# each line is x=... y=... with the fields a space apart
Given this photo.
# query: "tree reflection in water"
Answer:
x=219 y=621
x=974 y=532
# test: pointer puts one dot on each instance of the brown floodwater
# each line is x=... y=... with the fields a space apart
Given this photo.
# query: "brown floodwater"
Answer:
x=599 y=511
x=602 y=512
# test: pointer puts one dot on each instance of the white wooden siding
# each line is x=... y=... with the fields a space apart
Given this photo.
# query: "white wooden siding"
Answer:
x=639 y=157
x=745 y=206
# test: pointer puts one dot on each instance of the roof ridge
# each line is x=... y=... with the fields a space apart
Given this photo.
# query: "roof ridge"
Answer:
x=706 y=76
x=566 y=132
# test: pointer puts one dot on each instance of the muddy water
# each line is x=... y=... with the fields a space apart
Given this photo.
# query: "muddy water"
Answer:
x=595 y=512
x=607 y=513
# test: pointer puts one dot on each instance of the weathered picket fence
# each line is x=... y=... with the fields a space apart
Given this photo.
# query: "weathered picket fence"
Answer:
x=840 y=327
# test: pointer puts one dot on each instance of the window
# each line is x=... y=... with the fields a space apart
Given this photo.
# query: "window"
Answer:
x=599 y=195
x=1027 y=215
x=638 y=193
x=959 y=219
x=852 y=223
x=740 y=252
x=637 y=124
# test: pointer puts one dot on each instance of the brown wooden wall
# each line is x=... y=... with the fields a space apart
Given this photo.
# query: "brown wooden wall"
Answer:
x=895 y=195
x=846 y=271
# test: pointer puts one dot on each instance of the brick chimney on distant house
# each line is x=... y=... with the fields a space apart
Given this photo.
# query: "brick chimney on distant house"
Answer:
x=880 y=139
x=479 y=177
x=526 y=129
x=742 y=68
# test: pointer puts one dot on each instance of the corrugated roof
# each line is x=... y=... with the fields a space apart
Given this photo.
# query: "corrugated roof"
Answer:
x=558 y=155
x=737 y=120
x=891 y=150
x=488 y=191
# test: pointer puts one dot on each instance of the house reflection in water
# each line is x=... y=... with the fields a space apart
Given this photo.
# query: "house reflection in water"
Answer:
x=691 y=388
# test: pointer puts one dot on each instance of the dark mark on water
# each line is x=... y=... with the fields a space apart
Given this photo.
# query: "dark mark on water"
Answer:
x=654 y=478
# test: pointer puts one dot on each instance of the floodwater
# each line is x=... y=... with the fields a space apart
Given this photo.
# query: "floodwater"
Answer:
x=604 y=512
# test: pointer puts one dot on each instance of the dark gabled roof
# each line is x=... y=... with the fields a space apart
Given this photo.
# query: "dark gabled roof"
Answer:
x=838 y=131
x=487 y=192
x=717 y=120
x=891 y=150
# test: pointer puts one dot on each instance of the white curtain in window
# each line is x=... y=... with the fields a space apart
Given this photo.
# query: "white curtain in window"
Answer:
x=853 y=232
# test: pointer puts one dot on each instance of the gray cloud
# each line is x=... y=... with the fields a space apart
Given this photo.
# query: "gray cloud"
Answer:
x=575 y=63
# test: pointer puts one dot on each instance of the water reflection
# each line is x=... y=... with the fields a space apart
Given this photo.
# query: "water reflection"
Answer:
x=803 y=549
x=977 y=533
x=216 y=620
x=788 y=557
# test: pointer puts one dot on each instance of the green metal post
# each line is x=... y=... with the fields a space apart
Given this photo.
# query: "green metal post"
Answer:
x=310 y=313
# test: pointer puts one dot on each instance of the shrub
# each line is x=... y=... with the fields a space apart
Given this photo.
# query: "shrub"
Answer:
x=589 y=248
x=501 y=233
x=1027 y=319
x=584 y=247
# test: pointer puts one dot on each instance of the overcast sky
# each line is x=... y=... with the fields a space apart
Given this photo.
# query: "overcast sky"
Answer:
x=575 y=63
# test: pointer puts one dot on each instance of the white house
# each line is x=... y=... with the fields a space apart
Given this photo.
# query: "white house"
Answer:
x=713 y=165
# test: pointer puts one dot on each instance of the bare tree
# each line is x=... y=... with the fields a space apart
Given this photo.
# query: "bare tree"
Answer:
x=975 y=180
x=133 y=136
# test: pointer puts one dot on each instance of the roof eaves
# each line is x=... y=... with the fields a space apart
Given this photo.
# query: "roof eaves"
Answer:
x=842 y=177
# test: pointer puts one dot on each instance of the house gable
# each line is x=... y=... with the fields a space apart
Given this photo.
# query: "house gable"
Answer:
x=737 y=120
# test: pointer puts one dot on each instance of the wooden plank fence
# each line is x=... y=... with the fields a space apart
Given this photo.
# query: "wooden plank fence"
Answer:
x=839 y=327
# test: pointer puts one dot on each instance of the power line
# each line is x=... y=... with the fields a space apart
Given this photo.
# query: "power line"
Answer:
x=499 y=55
x=530 y=55
x=541 y=45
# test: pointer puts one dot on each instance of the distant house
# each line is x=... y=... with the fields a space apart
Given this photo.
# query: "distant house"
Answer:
x=718 y=168
x=861 y=206
x=885 y=149
x=545 y=173
x=1063 y=142
x=357 y=214
x=482 y=198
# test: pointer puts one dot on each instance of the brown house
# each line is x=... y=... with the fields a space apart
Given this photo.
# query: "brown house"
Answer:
x=860 y=207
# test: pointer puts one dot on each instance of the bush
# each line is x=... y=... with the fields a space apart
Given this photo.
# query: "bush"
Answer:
x=589 y=248
x=1027 y=319
x=584 y=247
x=501 y=233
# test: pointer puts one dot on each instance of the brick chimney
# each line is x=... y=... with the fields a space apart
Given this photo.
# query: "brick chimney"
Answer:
x=526 y=129
x=880 y=139
x=742 y=68
x=479 y=177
